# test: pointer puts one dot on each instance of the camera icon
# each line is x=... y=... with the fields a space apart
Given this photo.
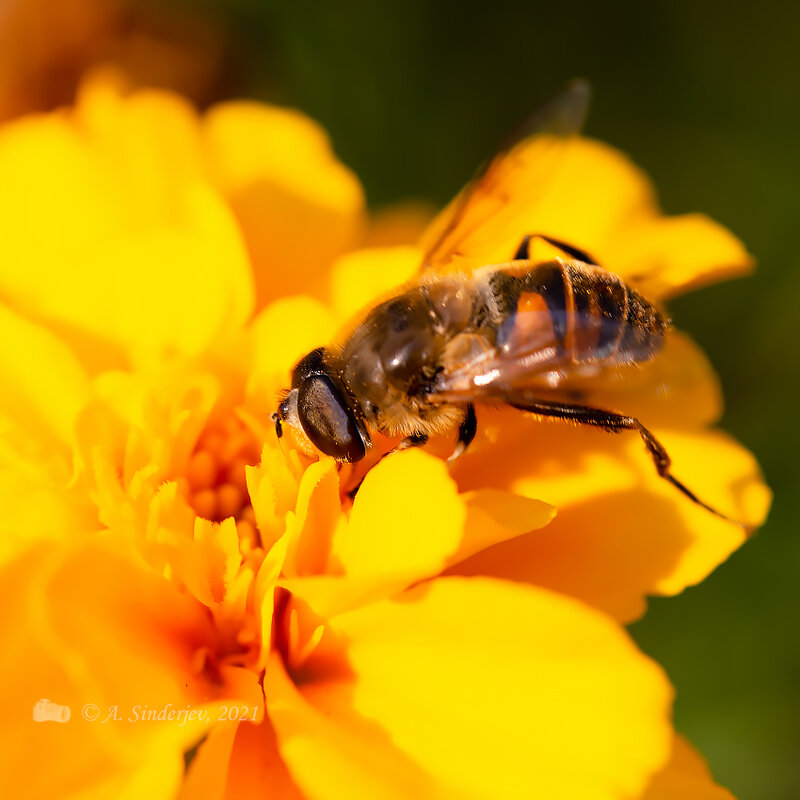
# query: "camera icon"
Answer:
x=45 y=711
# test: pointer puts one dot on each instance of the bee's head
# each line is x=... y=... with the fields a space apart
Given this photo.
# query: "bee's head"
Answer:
x=320 y=407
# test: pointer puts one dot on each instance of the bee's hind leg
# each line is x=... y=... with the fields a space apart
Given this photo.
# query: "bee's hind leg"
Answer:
x=524 y=250
x=466 y=432
x=616 y=423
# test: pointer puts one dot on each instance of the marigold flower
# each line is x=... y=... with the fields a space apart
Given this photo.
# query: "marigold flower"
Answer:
x=447 y=633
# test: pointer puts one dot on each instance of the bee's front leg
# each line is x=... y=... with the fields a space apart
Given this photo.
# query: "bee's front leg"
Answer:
x=466 y=433
x=415 y=440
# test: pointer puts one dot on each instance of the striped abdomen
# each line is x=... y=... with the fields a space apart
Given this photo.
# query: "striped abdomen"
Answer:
x=595 y=316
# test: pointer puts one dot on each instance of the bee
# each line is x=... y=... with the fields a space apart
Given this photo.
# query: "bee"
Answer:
x=515 y=332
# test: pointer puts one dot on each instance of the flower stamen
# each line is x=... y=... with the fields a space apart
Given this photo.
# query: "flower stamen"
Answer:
x=215 y=475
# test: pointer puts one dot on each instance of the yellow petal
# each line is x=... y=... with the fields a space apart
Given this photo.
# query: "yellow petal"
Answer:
x=494 y=516
x=297 y=206
x=141 y=257
x=406 y=520
x=406 y=523
x=37 y=494
x=326 y=595
x=581 y=192
x=495 y=690
x=671 y=255
x=360 y=278
x=317 y=518
x=686 y=776
x=280 y=342
x=345 y=757
x=399 y=223
x=590 y=195
x=621 y=532
x=191 y=282
x=44 y=386
x=272 y=486
x=282 y=334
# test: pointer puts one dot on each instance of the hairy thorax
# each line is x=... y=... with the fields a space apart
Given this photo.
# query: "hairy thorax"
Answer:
x=390 y=360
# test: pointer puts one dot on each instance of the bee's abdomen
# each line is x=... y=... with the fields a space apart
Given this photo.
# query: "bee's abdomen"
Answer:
x=595 y=316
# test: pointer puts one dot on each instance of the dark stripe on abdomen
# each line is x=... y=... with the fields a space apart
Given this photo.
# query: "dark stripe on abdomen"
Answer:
x=595 y=316
x=546 y=280
x=612 y=322
x=645 y=327
x=600 y=301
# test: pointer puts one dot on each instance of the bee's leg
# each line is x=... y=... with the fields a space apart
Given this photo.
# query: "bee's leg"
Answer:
x=415 y=440
x=616 y=423
x=524 y=249
x=466 y=432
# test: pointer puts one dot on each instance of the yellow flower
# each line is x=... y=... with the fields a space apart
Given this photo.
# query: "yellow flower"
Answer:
x=189 y=586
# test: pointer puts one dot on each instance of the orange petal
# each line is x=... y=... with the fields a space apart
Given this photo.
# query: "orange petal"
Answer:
x=297 y=206
x=88 y=626
x=621 y=531
x=494 y=689
x=239 y=761
x=256 y=768
x=208 y=771
x=686 y=776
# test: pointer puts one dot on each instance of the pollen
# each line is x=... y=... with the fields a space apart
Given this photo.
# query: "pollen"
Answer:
x=215 y=475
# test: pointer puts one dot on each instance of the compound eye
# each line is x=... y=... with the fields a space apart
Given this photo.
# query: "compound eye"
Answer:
x=328 y=420
x=311 y=364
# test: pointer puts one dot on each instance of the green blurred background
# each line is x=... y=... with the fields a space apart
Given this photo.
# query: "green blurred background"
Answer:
x=704 y=95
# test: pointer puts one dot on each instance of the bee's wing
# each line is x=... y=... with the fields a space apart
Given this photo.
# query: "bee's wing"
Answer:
x=534 y=359
x=675 y=388
x=515 y=178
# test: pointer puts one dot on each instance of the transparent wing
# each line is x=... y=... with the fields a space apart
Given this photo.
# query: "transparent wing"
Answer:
x=509 y=186
x=533 y=355
x=676 y=388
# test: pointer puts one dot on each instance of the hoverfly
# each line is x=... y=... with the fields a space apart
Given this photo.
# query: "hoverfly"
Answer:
x=514 y=332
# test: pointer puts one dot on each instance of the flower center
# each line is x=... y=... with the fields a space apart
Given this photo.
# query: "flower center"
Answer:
x=215 y=475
